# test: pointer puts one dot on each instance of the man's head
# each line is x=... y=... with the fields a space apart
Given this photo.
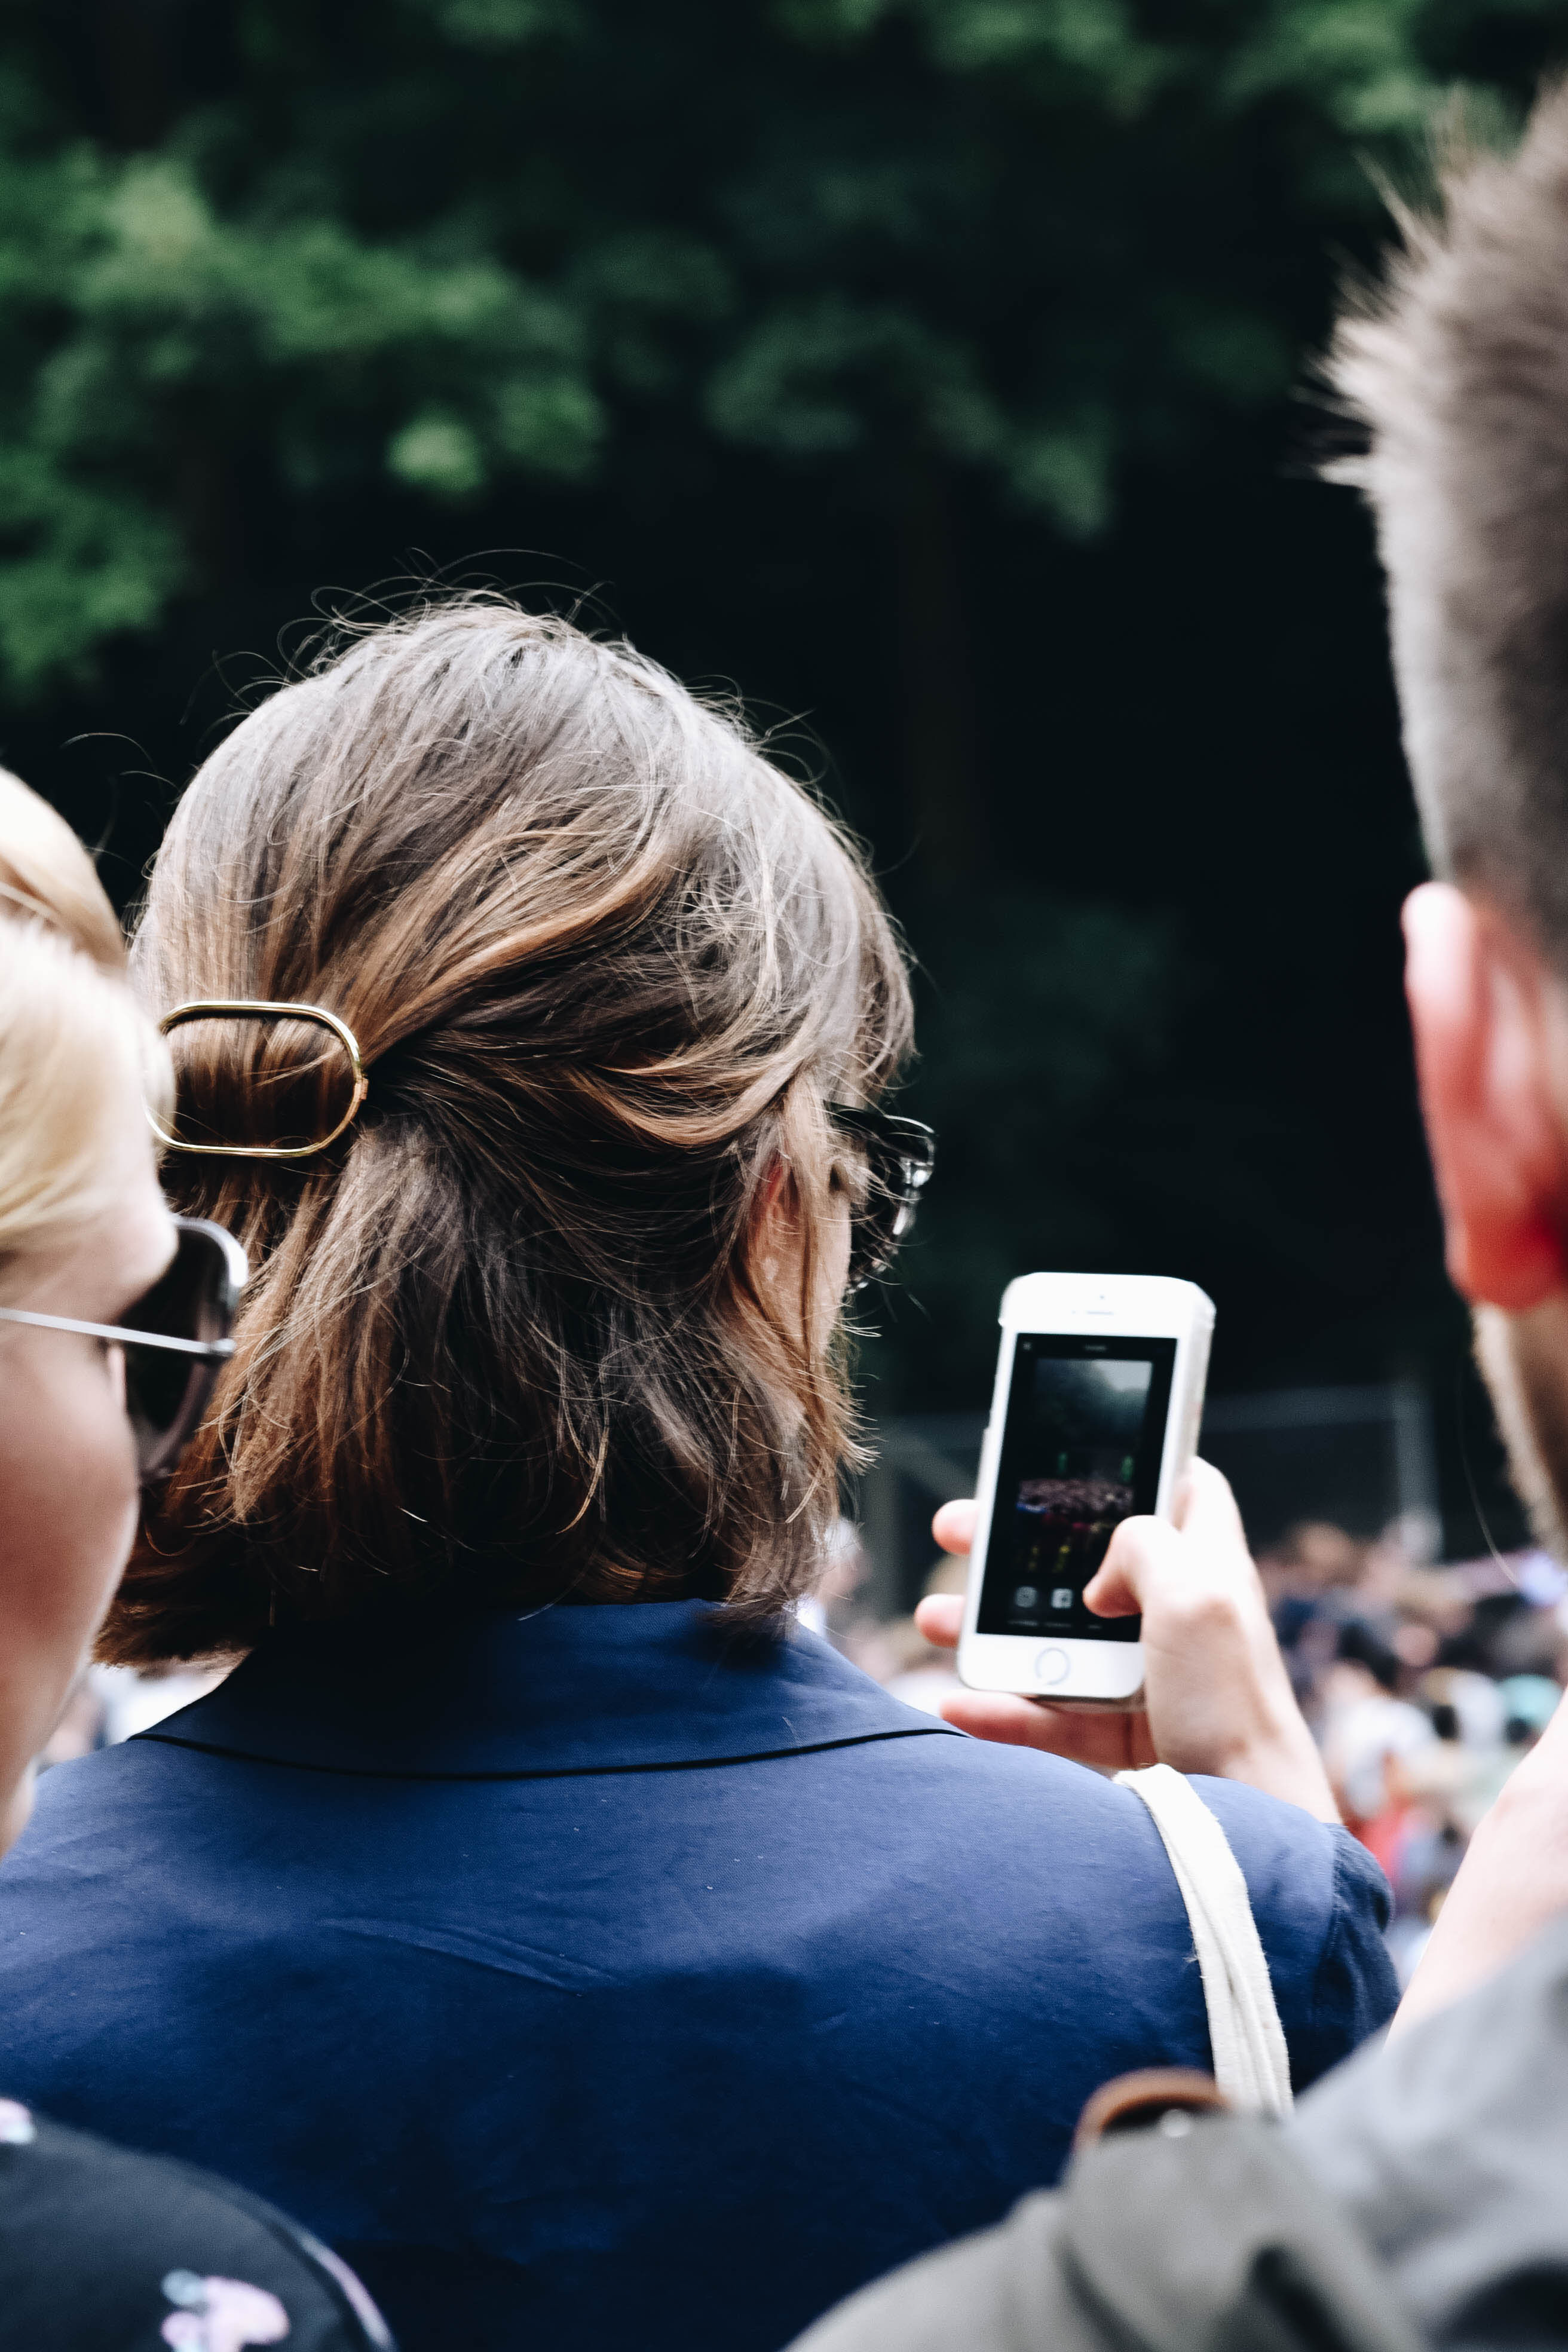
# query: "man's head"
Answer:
x=1459 y=369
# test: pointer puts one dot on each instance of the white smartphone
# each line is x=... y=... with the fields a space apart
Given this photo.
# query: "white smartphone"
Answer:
x=1100 y=1392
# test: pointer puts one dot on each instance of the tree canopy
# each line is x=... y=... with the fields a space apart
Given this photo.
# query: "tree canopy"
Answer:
x=272 y=257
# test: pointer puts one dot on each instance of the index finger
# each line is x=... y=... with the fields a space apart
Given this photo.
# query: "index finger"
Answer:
x=940 y=1617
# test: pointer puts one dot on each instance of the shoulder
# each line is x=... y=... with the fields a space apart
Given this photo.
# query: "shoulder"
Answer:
x=100 y=2244
x=107 y=1828
x=1004 y=2288
x=144 y=1797
x=979 y=1798
x=1449 y=2146
x=1303 y=1874
x=109 y=1781
x=1295 y=1864
x=1321 y=1905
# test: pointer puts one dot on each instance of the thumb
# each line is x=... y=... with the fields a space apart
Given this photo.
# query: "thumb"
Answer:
x=1205 y=1508
x=1206 y=1522
x=1139 y=1549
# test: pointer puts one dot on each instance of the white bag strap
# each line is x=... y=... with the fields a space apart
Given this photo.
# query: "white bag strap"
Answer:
x=1251 y=2064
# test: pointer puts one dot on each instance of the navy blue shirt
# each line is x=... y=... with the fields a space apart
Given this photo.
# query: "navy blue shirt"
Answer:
x=592 y=1978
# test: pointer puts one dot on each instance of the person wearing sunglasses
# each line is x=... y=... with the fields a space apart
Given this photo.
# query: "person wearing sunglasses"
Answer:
x=581 y=1946
x=115 y=1319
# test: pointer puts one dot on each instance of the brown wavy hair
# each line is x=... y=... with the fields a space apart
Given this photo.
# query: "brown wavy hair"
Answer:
x=607 y=964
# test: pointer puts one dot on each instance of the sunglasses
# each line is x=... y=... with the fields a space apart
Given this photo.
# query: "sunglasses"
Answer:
x=899 y=1155
x=176 y=1341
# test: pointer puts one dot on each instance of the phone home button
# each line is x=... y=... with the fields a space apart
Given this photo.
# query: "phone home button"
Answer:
x=1051 y=1667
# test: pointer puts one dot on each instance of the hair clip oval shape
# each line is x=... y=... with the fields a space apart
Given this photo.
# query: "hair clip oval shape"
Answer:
x=252 y=1008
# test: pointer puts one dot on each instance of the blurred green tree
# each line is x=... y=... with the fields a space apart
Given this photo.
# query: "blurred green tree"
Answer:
x=284 y=251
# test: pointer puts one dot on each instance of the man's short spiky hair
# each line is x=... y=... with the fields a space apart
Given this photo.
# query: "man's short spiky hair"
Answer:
x=1459 y=366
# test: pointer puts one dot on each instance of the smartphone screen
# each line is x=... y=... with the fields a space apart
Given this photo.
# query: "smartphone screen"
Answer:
x=1080 y=1452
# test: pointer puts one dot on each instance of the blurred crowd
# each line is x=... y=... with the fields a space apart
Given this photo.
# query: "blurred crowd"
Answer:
x=1424 y=1685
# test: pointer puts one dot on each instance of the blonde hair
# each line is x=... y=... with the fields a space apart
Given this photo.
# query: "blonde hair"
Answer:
x=607 y=965
x=70 y=1032
x=1458 y=364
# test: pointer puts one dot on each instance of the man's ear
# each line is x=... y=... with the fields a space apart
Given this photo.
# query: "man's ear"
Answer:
x=1481 y=1007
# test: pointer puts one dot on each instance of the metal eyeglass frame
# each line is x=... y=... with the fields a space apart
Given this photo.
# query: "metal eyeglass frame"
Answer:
x=912 y=1144
x=205 y=1351
x=160 y=1445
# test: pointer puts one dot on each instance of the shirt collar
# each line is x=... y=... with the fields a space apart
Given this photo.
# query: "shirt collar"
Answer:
x=646 y=1685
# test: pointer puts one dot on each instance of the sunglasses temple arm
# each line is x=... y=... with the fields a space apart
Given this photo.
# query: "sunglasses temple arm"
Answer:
x=205 y=1351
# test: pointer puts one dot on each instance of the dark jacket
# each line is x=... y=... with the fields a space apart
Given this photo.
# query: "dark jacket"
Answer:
x=1448 y=2150
x=104 y=2251
x=1220 y=2241
x=592 y=1978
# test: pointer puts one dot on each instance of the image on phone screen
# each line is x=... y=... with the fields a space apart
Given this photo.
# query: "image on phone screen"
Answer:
x=1080 y=1452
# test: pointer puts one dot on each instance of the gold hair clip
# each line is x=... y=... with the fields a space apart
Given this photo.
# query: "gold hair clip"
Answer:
x=255 y=1008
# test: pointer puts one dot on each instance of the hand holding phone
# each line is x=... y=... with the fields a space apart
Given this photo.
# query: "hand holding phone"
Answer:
x=1218 y=1698
x=1098 y=1395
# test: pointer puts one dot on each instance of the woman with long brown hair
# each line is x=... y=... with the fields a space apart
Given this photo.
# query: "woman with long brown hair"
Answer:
x=536 y=1909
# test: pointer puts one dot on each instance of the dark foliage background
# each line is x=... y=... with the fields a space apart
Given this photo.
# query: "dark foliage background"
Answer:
x=931 y=369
